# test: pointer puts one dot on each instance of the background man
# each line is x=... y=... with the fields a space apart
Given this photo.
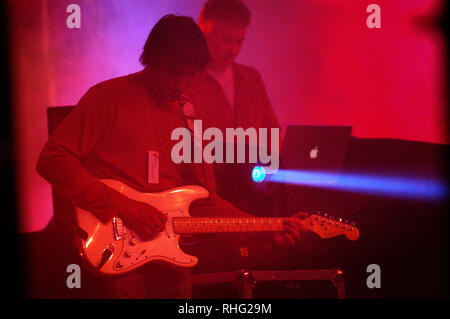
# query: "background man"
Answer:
x=230 y=94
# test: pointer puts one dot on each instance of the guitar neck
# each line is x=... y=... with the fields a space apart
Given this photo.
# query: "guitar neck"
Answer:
x=190 y=225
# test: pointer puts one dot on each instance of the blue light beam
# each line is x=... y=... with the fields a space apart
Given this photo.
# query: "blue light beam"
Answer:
x=387 y=186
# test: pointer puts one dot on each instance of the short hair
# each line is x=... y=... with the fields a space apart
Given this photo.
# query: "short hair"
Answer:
x=176 y=40
x=234 y=11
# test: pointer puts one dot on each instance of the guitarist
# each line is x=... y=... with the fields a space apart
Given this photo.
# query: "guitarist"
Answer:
x=119 y=129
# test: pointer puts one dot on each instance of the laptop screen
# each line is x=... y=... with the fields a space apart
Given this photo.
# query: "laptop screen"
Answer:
x=318 y=151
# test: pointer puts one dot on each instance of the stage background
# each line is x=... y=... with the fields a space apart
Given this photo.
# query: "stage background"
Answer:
x=320 y=62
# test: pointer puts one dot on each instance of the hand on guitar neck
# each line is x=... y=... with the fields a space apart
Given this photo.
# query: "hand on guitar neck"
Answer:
x=293 y=231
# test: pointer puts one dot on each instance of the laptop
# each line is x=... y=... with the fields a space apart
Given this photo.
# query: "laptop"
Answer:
x=315 y=153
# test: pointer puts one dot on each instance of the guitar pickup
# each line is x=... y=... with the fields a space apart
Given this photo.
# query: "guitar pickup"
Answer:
x=118 y=228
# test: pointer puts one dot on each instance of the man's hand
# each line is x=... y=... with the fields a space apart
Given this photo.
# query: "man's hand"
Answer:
x=145 y=220
x=293 y=230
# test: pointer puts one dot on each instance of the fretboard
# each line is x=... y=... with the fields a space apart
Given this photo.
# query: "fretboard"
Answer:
x=188 y=225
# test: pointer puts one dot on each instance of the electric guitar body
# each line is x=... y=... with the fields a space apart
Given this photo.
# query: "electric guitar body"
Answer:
x=111 y=248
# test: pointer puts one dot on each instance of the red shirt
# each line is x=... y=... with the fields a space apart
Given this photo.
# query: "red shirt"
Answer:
x=108 y=135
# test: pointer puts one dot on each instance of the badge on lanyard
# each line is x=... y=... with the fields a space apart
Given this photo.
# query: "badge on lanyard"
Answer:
x=153 y=167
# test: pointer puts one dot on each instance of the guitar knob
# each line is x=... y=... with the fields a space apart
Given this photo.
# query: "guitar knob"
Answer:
x=133 y=241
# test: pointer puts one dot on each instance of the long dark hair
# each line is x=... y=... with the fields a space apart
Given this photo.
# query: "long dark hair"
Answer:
x=176 y=40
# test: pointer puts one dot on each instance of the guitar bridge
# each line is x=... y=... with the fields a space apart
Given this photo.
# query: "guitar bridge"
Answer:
x=118 y=228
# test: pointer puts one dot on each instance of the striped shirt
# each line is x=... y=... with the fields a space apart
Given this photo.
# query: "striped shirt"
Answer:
x=251 y=103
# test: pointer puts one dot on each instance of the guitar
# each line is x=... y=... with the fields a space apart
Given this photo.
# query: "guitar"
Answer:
x=111 y=249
